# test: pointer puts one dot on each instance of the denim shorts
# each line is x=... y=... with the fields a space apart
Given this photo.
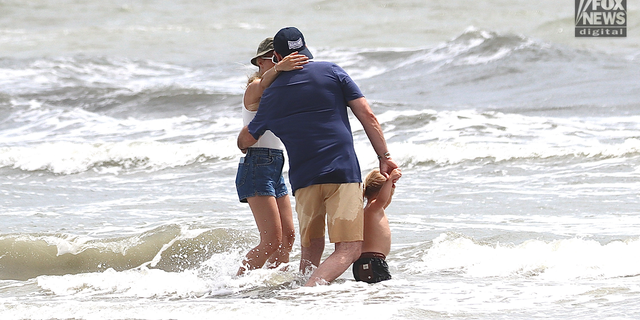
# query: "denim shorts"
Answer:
x=260 y=174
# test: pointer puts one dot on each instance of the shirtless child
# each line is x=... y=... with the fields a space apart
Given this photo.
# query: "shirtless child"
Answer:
x=371 y=267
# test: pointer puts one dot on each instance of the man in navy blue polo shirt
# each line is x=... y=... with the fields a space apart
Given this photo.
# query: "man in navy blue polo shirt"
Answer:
x=307 y=110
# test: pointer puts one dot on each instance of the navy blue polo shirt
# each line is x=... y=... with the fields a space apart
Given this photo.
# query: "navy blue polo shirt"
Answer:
x=307 y=110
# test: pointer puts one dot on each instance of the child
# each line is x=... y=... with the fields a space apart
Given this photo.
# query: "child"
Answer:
x=371 y=267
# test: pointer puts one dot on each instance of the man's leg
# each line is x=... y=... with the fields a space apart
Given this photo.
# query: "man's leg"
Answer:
x=311 y=255
x=336 y=264
x=345 y=218
x=311 y=216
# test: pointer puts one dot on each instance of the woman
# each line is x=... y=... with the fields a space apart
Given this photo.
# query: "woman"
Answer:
x=259 y=179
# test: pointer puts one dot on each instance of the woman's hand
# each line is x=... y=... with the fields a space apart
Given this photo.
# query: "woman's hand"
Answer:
x=294 y=61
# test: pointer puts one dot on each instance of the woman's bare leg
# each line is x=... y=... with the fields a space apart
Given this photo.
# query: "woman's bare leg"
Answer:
x=265 y=212
x=288 y=233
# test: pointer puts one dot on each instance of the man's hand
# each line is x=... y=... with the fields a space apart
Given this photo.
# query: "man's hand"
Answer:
x=245 y=139
x=387 y=165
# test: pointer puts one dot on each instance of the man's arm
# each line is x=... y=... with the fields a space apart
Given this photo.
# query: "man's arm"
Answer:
x=245 y=139
x=372 y=128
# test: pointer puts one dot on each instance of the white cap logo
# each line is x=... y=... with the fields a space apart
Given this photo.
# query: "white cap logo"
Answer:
x=295 y=44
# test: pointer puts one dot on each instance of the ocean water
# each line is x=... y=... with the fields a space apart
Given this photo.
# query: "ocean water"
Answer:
x=519 y=144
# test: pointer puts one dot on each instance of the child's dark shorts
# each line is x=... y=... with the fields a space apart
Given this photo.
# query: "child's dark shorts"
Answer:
x=371 y=268
x=260 y=174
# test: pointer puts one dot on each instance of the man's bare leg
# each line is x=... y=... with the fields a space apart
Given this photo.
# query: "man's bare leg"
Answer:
x=311 y=255
x=336 y=264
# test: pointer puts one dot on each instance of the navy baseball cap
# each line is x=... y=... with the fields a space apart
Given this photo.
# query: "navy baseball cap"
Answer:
x=289 y=40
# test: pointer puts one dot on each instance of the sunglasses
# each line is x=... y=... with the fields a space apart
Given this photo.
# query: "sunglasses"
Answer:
x=273 y=59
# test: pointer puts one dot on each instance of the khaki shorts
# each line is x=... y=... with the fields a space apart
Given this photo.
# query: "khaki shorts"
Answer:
x=342 y=204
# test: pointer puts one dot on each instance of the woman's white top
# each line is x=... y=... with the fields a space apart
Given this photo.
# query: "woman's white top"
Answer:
x=268 y=139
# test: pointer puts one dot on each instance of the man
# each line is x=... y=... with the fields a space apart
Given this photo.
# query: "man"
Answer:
x=307 y=110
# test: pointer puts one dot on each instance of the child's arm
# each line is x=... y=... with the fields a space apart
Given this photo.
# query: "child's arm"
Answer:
x=385 y=192
x=293 y=61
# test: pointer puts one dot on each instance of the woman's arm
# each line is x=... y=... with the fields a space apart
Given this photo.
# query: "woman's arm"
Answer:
x=255 y=89
x=291 y=62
